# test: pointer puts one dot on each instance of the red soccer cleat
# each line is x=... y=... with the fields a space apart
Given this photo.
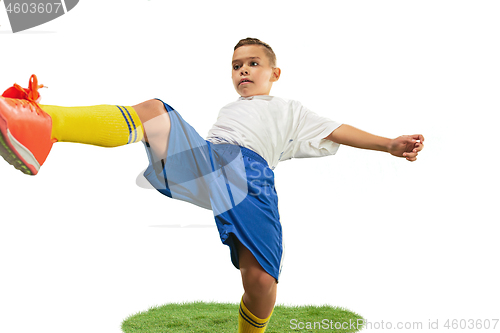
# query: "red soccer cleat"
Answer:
x=25 y=129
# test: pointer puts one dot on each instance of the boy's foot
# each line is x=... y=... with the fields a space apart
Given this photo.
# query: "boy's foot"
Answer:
x=25 y=129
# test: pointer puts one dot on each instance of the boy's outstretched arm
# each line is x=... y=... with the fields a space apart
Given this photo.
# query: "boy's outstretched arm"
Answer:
x=406 y=146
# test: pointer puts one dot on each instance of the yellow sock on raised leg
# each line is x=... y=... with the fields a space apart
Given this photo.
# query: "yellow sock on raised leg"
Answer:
x=28 y=130
x=100 y=125
x=249 y=323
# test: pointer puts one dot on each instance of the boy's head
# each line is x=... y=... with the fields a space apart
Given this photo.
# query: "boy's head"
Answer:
x=254 y=67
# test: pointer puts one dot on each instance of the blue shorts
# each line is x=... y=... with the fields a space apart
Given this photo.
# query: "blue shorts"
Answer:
x=234 y=182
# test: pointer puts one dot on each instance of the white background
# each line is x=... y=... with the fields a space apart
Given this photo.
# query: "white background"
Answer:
x=82 y=246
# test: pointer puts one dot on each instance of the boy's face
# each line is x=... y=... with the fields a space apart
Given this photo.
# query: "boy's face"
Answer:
x=252 y=73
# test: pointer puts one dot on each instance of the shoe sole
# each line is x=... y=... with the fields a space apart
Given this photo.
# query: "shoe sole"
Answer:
x=15 y=153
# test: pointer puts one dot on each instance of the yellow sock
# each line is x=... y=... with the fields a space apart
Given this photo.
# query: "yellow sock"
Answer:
x=100 y=125
x=248 y=323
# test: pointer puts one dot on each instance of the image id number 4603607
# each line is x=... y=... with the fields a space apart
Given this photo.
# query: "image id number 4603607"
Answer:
x=31 y=7
x=471 y=324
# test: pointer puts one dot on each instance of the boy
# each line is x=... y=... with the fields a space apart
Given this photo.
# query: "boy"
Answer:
x=230 y=173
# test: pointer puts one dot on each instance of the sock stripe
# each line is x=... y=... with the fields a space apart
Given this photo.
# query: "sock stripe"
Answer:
x=250 y=320
x=133 y=124
x=128 y=124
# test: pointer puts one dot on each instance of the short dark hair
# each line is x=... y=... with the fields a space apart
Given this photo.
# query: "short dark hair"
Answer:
x=255 y=41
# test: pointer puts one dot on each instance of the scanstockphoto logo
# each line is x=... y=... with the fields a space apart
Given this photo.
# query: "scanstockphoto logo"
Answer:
x=26 y=14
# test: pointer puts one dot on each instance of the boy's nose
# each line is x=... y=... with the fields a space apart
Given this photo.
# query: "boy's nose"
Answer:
x=244 y=71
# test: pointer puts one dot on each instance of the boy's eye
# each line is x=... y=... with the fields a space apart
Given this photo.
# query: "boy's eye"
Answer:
x=253 y=63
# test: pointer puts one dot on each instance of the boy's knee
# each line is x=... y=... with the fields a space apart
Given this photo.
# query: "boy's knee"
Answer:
x=258 y=282
x=149 y=109
x=156 y=126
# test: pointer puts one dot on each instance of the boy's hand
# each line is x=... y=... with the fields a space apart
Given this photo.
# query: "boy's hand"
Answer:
x=407 y=146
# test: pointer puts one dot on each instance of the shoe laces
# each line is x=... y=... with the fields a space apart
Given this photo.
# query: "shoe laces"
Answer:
x=31 y=93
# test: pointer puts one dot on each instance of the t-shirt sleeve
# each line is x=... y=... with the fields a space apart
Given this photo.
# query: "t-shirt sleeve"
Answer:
x=311 y=130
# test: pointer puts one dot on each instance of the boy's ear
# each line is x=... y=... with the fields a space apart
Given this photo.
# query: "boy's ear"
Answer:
x=276 y=74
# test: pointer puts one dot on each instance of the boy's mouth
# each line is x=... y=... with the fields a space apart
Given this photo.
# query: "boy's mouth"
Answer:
x=244 y=81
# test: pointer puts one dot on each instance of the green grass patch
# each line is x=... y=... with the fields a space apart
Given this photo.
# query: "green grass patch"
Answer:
x=201 y=317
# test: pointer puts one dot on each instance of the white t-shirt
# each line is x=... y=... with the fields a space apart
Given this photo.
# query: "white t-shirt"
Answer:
x=275 y=128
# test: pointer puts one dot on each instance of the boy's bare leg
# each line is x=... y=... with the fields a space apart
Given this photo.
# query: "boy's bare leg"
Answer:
x=156 y=125
x=260 y=287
